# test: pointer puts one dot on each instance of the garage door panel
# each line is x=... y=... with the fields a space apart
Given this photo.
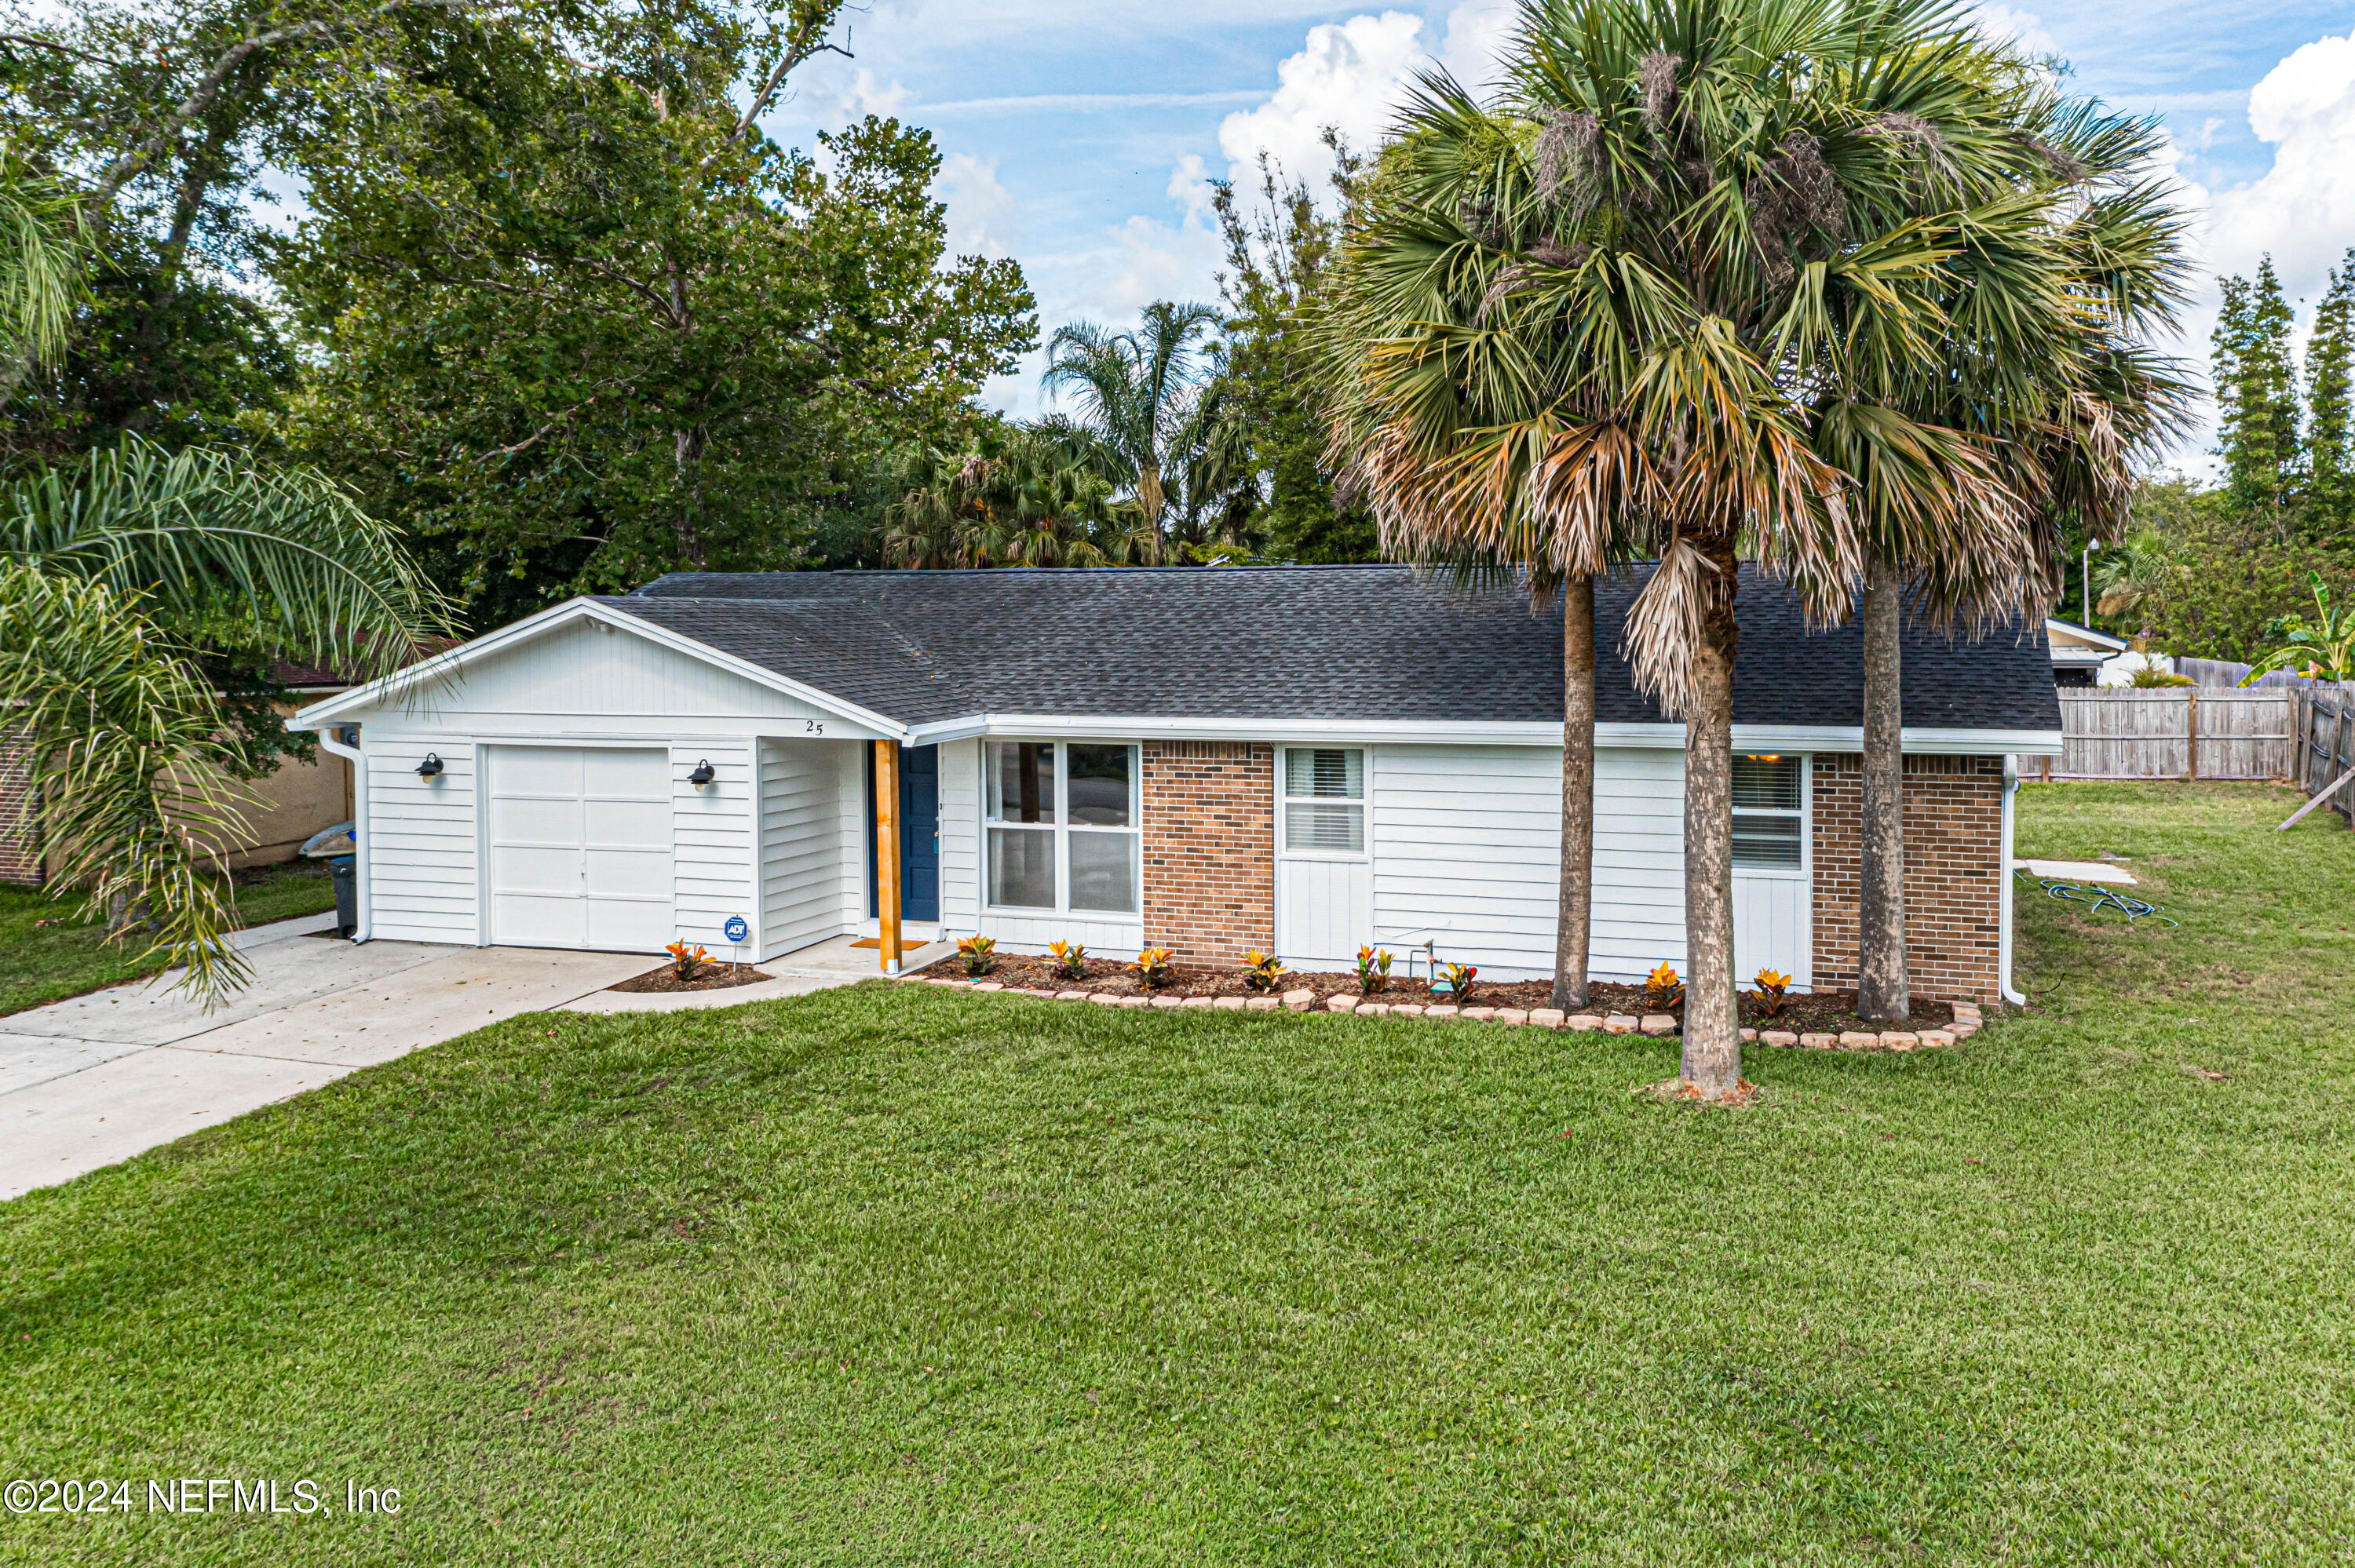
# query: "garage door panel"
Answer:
x=523 y=868
x=523 y=921
x=645 y=774
x=628 y=873
x=637 y=824
x=536 y=771
x=623 y=925
x=535 y=820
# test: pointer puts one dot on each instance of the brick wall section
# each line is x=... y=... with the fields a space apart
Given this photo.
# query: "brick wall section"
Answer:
x=1209 y=848
x=1954 y=871
x=20 y=855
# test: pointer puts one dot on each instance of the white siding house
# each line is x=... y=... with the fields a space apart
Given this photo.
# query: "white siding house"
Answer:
x=622 y=773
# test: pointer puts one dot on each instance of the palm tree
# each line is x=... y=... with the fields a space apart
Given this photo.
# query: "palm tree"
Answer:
x=2065 y=261
x=1152 y=413
x=1021 y=497
x=103 y=564
x=1720 y=228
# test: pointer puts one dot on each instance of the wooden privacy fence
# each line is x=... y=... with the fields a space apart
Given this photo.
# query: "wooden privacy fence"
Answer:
x=2173 y=732
x=2326 y=744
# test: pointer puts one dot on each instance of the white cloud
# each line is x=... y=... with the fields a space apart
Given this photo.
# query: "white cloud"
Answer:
x=2025 y=28
x=1347 y=77
x=1477 y=32
x=981 y=215
x=836 y=94
x=2302 y=211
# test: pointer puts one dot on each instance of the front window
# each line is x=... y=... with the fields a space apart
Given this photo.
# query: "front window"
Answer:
x=1324 y=799
x=1062 y=826
x=1769 y=827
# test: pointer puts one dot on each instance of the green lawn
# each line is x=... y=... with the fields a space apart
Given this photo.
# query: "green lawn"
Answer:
x=47 y=953
x=910 y=1276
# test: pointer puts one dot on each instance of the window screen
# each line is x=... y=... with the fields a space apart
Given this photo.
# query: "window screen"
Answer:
x=1325 y=791
x=1769 y=832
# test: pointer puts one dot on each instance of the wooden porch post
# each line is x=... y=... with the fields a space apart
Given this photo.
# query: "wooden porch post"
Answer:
x=887 y=851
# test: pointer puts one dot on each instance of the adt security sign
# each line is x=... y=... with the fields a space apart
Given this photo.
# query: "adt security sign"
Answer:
x=737 y=928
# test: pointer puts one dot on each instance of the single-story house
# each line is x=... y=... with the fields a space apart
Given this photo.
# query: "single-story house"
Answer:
x=1299 y=758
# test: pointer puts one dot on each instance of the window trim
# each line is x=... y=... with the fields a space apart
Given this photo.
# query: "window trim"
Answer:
x=1063 y=827
x=1364 y=802
x=1804 y=813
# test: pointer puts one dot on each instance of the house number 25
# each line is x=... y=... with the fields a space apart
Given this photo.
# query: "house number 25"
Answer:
x=812 y=726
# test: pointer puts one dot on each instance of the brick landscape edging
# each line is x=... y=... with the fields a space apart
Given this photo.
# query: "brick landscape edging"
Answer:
x=1967 y=1015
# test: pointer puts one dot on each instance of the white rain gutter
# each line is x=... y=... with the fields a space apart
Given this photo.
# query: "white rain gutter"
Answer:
x=2003 y=940
x=327 y=740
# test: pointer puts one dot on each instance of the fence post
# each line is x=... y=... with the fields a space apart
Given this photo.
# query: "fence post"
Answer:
x=2340 y=748
x=2191 y=735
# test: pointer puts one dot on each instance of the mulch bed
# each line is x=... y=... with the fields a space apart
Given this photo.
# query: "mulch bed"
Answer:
x=707 y=977
x=1823 y=1011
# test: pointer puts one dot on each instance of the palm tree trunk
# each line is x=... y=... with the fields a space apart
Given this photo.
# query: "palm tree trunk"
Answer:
x=1883 y=994
x=1575 y=919
x=1713 y=1053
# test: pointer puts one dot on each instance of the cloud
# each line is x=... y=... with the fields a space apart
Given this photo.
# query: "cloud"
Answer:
x=981 y=215
x=1347 y=77
x=2022 y=27
x=2301 y=211
x=838 y=95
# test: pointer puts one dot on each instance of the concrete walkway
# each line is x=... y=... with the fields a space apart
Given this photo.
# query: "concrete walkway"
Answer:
x=90 y=1081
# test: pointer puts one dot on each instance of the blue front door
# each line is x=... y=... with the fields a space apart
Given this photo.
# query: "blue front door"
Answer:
x=919 y=832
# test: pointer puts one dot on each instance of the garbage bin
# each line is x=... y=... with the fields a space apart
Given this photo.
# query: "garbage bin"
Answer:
x=347 y=894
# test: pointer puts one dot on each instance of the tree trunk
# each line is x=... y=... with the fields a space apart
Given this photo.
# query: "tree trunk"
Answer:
x=1574 y=921
x=1713 y=1053
x=1883 y=993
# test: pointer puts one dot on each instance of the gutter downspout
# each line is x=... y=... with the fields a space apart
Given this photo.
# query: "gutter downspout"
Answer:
x=328 y=742
x=2003 y=940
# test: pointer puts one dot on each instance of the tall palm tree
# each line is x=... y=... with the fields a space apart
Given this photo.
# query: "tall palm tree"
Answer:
x=2067 y=263
x=1721 y=226
x=102 y=562
x=1150 y=412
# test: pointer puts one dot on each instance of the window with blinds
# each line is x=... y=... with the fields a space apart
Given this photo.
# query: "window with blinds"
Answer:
x=1769 y=824
x=1324 y=799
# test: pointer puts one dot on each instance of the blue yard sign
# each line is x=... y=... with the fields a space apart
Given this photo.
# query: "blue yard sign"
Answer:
x=737 y=928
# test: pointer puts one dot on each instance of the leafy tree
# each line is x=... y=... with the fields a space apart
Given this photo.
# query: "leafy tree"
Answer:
x=2256 y=394
x=1278 y=258
x=582 y=319
x=2330 y=442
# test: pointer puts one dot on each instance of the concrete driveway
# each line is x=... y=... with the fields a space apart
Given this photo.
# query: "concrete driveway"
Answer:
x=96 y=1079
x=99 y=1079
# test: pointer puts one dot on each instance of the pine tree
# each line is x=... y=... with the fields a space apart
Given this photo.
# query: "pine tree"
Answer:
x=2256 y=394
x=2330 y=465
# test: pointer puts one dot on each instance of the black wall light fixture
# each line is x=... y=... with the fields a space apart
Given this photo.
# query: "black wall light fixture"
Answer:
x=702 y=775
x=431 y=766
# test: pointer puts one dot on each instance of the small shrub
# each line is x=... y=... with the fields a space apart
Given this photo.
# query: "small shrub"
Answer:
x=2148 y=677
x=1770 y=987
x=1373 y=970
x=979 y=954
x=1663 y=989
x=1261 y=970
x=684 y=960
x=1458 y=979
x=1070 y=959
x=1153 y=967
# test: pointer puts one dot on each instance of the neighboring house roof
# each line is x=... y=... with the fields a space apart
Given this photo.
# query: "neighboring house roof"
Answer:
x=2074 y=643
x=1369 y=644
x=308 y=677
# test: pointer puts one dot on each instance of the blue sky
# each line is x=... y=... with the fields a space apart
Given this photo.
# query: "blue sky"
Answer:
x=1078 y=135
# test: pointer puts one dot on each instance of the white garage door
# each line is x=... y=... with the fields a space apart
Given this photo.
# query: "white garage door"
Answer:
x=580 y=848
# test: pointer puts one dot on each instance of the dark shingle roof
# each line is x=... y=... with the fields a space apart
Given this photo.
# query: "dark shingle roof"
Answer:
x=1380 y=642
